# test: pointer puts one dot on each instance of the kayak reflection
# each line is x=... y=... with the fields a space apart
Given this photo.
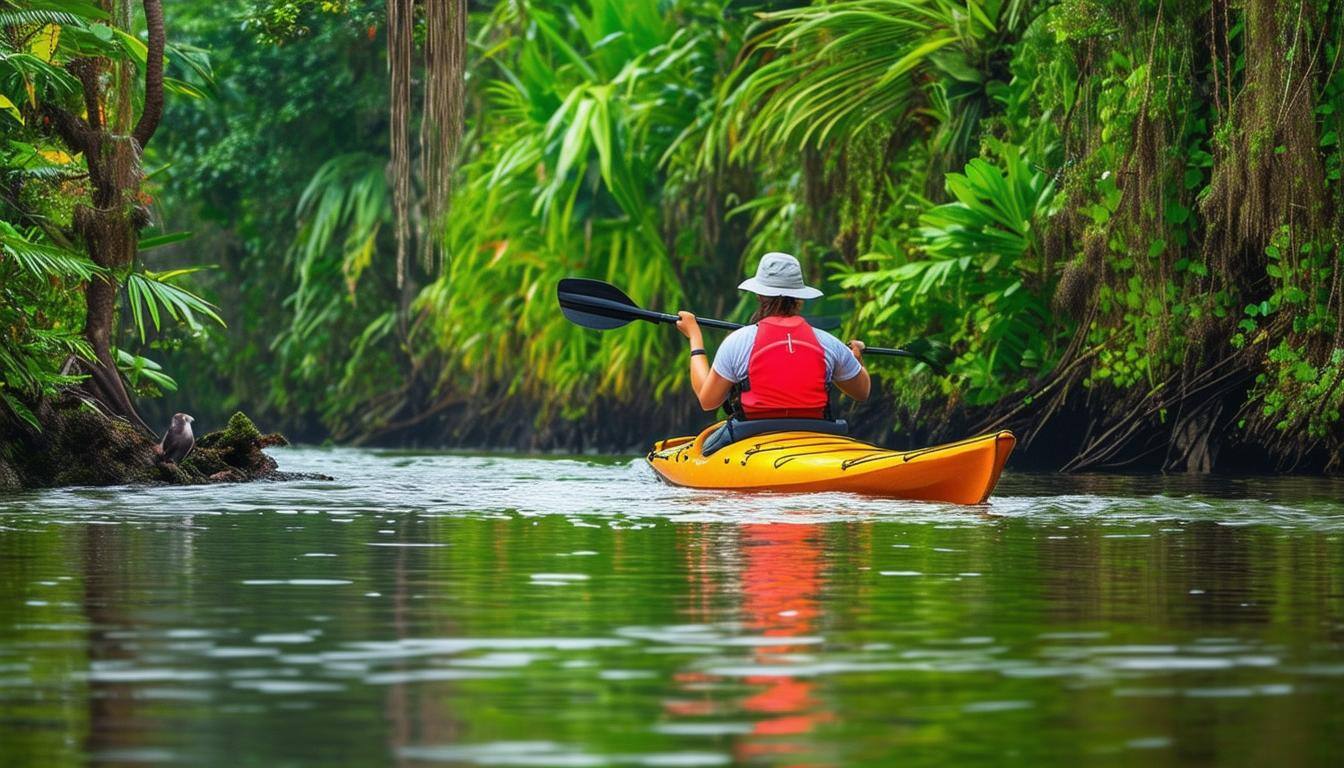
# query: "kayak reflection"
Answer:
x=781 y=579
x=780 y=586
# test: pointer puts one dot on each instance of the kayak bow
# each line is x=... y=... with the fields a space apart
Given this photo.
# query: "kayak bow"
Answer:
x=964 y=472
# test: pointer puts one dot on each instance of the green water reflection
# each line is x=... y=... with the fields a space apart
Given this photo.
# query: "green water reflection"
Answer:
x=336 y=637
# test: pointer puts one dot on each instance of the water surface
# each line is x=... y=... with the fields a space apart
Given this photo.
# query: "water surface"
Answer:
x=449 y=610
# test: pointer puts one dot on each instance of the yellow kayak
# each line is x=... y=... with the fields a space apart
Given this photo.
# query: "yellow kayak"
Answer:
x=963 y=472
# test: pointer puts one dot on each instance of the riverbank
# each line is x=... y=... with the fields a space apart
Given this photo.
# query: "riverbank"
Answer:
x=1052 y=436
x=78 y=446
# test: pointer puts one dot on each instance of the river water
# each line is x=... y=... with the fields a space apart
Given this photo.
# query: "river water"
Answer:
x=453 y=610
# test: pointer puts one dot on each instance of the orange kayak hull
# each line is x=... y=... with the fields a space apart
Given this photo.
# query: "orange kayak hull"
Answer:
x=964 y=472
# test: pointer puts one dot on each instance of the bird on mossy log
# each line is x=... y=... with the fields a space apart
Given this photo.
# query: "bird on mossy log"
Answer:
x=178 y=440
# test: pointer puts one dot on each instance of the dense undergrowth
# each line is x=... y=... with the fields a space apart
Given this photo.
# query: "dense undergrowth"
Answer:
x=1124 y=219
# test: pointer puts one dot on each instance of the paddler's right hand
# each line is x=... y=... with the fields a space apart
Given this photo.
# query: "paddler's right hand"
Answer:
x=857 y=348
x=690 y=328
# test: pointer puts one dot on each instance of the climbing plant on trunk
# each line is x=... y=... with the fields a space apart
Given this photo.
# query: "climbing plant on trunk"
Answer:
x=88 y=106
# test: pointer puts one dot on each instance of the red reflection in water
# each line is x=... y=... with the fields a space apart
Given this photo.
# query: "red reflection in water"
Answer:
x=780 y=580
x=781 y=573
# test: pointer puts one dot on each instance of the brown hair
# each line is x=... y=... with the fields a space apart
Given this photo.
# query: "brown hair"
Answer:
x=776 y=306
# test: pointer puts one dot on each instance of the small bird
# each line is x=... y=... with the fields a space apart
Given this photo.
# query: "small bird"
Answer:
x=178 y=440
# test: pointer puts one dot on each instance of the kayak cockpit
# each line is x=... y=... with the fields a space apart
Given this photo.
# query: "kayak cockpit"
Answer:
x=733 y=430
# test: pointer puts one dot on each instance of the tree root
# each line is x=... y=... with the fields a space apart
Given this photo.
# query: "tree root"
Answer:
x=80 y=445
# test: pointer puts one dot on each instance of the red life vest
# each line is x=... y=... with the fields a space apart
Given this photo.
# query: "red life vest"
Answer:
x=786 y=373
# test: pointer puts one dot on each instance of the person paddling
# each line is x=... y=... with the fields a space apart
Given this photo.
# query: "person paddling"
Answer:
x=782 y=366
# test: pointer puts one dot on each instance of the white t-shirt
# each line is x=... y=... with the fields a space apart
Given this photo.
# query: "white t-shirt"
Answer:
x=734 y=356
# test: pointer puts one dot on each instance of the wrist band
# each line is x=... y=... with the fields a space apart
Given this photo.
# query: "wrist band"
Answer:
x=699 y=351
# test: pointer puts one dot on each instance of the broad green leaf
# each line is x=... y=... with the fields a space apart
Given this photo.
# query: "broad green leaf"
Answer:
x=157 y=241
x=8 y=106
x=132 y=45
x=43 y=43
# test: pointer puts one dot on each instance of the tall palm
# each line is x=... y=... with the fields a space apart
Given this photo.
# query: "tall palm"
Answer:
x=823 y=73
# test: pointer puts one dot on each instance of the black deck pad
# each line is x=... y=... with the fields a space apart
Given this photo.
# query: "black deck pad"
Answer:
x=734 y=430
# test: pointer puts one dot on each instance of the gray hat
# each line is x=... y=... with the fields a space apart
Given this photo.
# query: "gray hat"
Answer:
x=779 y=274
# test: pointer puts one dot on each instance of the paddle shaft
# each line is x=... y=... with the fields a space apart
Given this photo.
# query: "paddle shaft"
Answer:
x=617 y=309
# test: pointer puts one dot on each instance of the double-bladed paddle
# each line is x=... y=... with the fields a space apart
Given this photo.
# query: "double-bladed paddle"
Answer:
x=602 y=306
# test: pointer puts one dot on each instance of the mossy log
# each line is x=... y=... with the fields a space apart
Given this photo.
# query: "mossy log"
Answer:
x=80 y=446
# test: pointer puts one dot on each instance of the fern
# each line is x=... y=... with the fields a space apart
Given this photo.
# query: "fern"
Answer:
x=24 y=372
x=62 y=342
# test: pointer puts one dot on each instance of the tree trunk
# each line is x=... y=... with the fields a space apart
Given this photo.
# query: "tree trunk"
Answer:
x=110 y=227
x=111 y=238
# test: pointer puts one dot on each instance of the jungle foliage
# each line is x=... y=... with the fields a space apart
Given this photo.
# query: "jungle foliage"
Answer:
x=1124 y=218
x=81 y=96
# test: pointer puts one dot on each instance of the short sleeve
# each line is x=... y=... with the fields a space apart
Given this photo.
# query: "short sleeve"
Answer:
x=734 y=354
x=844 y=366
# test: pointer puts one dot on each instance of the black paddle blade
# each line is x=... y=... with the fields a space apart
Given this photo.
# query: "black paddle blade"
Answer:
x=598 y=315
x=935 y=354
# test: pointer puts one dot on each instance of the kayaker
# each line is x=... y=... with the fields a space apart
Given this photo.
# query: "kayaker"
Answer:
x=782 y=366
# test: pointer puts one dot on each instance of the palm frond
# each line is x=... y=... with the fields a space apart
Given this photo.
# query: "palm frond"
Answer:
x=43 y=260
x=37 y=17
x=20 y=410
x=137 y=368
x=151 y=294
x=833 y=69
x=84 y=10
x=993 y=211
x=25 y=69
x=47 y=173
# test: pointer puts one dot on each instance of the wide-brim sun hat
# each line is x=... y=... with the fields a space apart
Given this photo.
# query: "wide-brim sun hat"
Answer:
x=779 y=274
